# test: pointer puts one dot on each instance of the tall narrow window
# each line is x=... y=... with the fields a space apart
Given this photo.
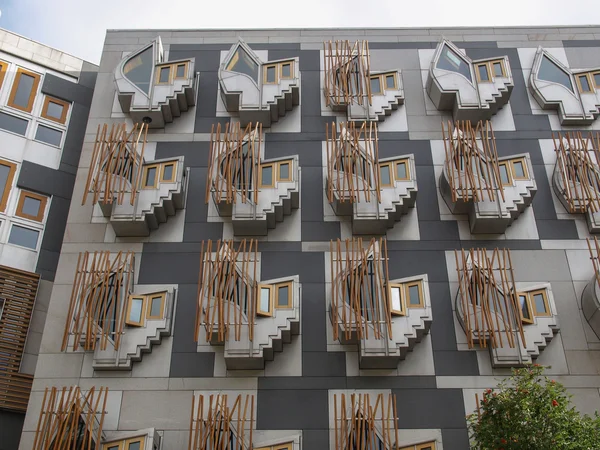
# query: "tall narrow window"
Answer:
x=286 y=70
x=265 y=307
x=139 y=69
x=376 y=85
x=285 y=171
x=271 y=74
x=540 y=303
x=519 y=171
x=266 y=176
x=3 y=67
x=597 y=79
x=384 y=175
x=7 y=174
x=156 y=306
x=242 y=62
x=180 y=72
x=164 y=75
x=482 y=73
x=150 y=176
x=31 y=206
x=526 y=315
x=390 y=81
x=24 y=89
x=584 y=83
x=396 y=303
x=55 y=110
x=168 y=173
x=414 y=295
x=283 y=295
x=504 y=174
x=549 y=71
x=498 y=69
x=402 y=170
x=135 y=311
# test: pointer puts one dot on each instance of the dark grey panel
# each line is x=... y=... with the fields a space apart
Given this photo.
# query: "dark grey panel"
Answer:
x=194 y=153
x=172 y=247
x=185 y=319
x=455 y=439
x=75 y=135
x=44 y=180
x=323 y=364
x=302 y=383
x=543 y=205
x=309 y=266
x=525 y=122
x=427 y=198
x=196 y=206
x=66 y=90
x=11 y=425
x=400 y=45
x=88 y=75
x=205 y=124
x=279 y=246
x=207 y=55
x=433 y=263
x=176 y=268
x=315 y=124
x=430 y=408
x=279 y=47
x=192 y=364
x=320 y=231
x=401 y=382
x=509 y=147
x=483 y=50
x=312 y=189
x=421 y=149
x=309 y=152
x=443 y=230
x=581 y=43
x=314 y=320
x=47 y=260
x=315 y=439
x=206 y=105
x=309 y=59
x=557 y=229
x=455 y=363
x=443 y=336
x=292 y=410
x=198 y=231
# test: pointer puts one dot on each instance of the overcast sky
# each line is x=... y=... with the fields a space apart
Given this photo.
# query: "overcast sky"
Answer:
x=78 y=26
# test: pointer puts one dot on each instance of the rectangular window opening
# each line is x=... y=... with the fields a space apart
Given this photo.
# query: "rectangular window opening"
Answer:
x=390 y=81
x=286 y=70
x=23 y=237
x=180 y=72
x=498 y=69
x=539 y=302
x=168 y=173
x=271 y=74
x=283 y=295
x=414 y=294
x=55 y=109
x=519 y=172
x=385 y=177
x=24 y=90
x=13 y=124
x=266 y=176
x=584 y=83
x=284 y=171
x=135 y=311
x=376 y=86
x=31 y=206
x=402 y=171
x=150 y=176
x=396 y=300
x=48 y=135
x=164 y=75
x=596 y=76
x=482 y=73
x=156 y=306
x=7 y=174
x=525 y=305
x=505 y=178
x=265 y=301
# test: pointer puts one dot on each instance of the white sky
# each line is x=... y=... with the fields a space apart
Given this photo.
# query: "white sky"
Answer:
x=78 y=26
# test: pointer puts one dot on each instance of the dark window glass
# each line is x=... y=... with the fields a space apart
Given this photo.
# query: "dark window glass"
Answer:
x=265 y=299
x=14 y=124
x=4 y=172
x=413 y=295
x=168 y=172
x=384 y=172
x=284 y=171
x=519 y=170
x=449 y=60
x=180 y=71
x=31 y=206
x=540 y=305
x=504 y=174
x=139 y=69
x=165 y=72
x=524 y=307
x=23 y=91
x=23 y=236
x=483 y=72
x=1 y=307
x=114 y=447
x=55 y=110
x=401 y=171
x=151 y=176
x=135 y=313
x=551 y=72
x=597 y=80
x=283 y=296
x=286 y=71
x=243 y=63
x=271 y=71
x=267 y=175
x=375 y=85
x=585 y=85
x=48 y=135
x=134 y=445
x=390 y=81
x=498 y=69
x=155 y=306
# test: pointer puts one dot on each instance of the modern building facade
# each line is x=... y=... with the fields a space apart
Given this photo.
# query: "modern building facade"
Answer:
x=321 y=239
x=45 y=98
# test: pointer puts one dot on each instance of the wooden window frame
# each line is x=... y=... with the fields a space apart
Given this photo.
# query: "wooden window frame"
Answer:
x=381 y=90
x=291 y=64
x=27 y=227
x=273 y=176
x=43 y=202
x=157 y=75
x=400 y=287
x=118 y=444
x=590 y=81
x=9 y=183
x=163 y=299
x=502 y=66
x=185 y=71
x=389 y=167
x=3 y=68
x=487 y=69
x=544 y=293
x=405 y=162
x=142 y=321
x=508 y=172
x=66 y=105
x=32 y=94
x=162 y=172
x=290 y=286
x=593 y=75
x=394 y=75
x=290 y=177
x=529 y=308
x=425 y=445
x=140 y=439
x=260 y=312
x=419 y=284
x=286 y=446
x=525 y=170
x=266 y=68
x=145 y=177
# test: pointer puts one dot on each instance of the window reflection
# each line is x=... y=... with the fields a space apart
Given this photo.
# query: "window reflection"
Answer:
x=449 y=60
x=549 y=71
x=139 y=70
x=243 y=63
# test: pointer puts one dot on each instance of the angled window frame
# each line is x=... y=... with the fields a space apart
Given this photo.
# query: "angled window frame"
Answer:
x=147 y=168
x=142 y=320
x=544 y=293
x=158 y=70
x=487 y=70
x=406 y=164
x=590 y=81
x=273 y=175
x=502 y=67
x=290 y=176
x=394 y=76
x=508 y=168
x=66 y=105
x=527 y=306
x=163 y=298
x=185 y=70
x=32 y=94
x=290 y=286
x=381 y=90
x=265 y=69
x=400 y=287
x=407 y=286
x=387 y=165
x=523 y=161
x=162 y=172
x=292 y=73
x=9 y=183
x=23 y=194
x=259 y=310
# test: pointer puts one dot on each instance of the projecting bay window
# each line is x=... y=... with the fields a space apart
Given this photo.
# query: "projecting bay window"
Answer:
x=534 y=304
x=488 y=71
x=166 y=73
x=273 y=73
x=511 y=170
x=269 y=173
x=392 y=171
x=136 y=443
x=405 y=295
x=158 y=173
x=383 y=82
x=24 y=90
x=145 y=307
x=274 y=296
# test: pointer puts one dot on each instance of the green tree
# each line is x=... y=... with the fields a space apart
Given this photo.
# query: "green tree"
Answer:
x=528 y=411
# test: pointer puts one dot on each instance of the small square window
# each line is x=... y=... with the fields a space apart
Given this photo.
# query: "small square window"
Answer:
x=402 y=170
x=283 y=295
x=24 y=90
x=584 y=83
x=390 y=81
x=135 y=311
x=48 y=135
x=156 y=306
x=284 y=171
x=396 y=302
x=180 y=71
x=414 y=295
x=376 y=85
x=55 y=110
x=498 y=69
x=168 y=173
x=31 y=206
x=271 y=74
x=24 y=237
x=482 y=73
x=266 y=176
x=264 y=301
x=150 y=176
x=385 y=177
x=286 y=70
x=164 y=75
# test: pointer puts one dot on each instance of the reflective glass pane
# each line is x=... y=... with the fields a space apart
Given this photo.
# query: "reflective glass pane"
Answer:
x=168 y=172
x=23 y=91
x=483 y=72
x=597 y=80
x=165 y=72
x=384 y=176
x=180 y=71
x=540 y=305
x=375 y=85
x=271 y=72
x=519 y=169
x=390 y=81
x=498 y=69
x=14 y=124
x=4 y=172
x=139 y=69
x=504 y=174
x=396 y=300
x=135 y=313
x=113 y=447
x=31 y=206
x=551 y=72
x=243 y=63
x=449 y=60
x=585 y=85
x=156 y=306
x=265 y=299
x=151 y=176
x=284 y=171
x=48 y=135
x=267 y=175
x=413 y=295
x=283 y=296
x=134 y=445
x=524 y=307
x=286 y=71
x=55 y=110
x=24 y=237
x=401 y=172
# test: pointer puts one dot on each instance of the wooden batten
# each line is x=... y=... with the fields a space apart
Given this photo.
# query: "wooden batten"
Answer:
x=18 y=289
x=221 y=422
x=364 y=420
x=488 y=298
x=233 y=172
x=578 y=158
x=116 y=166
x=99 y=296
x=347 y=73
x=63 y=410
x=473 y=148
x=353 y=304
x=227 y=289
x=352 y=162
